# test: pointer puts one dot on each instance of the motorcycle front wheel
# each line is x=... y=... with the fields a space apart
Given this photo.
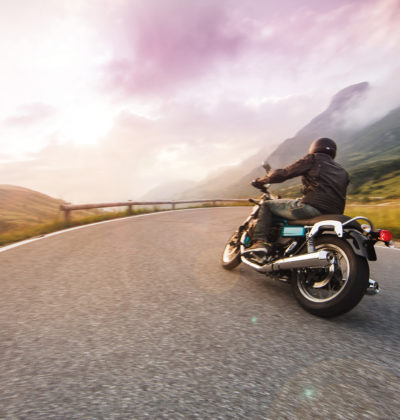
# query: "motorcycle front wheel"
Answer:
x=231 y=254
x=332 y=291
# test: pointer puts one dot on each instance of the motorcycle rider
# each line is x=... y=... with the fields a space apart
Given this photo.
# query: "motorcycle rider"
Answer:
x=324 y=190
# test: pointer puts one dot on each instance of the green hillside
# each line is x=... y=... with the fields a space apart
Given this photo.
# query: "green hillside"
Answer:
x=377 y=179
x=377 y=142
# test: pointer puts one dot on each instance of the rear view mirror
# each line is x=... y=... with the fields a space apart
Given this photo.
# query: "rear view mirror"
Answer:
x=266 y=166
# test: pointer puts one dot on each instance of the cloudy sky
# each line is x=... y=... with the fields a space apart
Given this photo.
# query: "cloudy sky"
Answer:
x=104 y=99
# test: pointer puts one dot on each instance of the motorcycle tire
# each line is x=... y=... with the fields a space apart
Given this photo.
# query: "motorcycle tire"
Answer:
x=231 y=254
x=332 y=291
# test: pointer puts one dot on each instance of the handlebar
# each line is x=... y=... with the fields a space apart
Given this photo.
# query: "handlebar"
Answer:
x=263 y=188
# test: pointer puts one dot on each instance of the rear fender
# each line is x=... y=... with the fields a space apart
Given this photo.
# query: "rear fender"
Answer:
x=361 y=246
x=359 y=243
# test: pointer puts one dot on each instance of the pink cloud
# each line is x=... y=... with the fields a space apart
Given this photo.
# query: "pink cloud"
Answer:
x=170 y=43
x=30 y=114
x=159 y=46
x=305 y=30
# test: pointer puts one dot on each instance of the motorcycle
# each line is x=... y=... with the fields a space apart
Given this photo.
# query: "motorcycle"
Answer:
x=325 y=259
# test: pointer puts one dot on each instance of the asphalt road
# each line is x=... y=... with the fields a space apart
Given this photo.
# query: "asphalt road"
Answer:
x=136 y=319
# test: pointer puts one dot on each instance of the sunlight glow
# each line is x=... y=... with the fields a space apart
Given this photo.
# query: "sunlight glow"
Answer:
x=171 y=153
x=86 y=124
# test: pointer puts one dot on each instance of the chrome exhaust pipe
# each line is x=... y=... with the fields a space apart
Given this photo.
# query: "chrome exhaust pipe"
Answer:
x=320 y=259
x=373 y=288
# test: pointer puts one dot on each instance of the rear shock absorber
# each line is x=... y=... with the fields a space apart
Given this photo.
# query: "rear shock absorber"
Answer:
x=310 y=243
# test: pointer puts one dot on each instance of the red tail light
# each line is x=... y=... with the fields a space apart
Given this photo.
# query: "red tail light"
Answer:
x=385 y=236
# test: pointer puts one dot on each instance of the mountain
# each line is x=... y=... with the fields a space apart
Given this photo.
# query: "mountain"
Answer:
x=378 y=142
x=370 y=153
x=217 y=185
x=330 y=123
x=373 y=158
x=333 y=122
x=166 y=191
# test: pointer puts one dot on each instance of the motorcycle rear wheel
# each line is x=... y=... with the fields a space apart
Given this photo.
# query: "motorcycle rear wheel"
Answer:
x=337 y=289
x=231 y=254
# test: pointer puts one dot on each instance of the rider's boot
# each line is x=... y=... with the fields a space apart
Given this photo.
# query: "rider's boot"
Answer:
x=259 y=246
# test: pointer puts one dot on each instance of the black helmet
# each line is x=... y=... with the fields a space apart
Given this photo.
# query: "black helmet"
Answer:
x=323 y=145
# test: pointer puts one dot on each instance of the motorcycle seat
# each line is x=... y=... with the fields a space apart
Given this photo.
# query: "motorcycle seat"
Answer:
x=339 y=217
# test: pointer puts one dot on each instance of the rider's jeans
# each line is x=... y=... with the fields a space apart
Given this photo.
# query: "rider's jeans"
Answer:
x=285 y=208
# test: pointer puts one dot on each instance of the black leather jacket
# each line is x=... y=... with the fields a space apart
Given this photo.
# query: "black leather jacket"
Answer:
x=324 y=181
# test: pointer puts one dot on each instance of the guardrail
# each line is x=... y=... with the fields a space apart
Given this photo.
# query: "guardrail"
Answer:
x=67 y=208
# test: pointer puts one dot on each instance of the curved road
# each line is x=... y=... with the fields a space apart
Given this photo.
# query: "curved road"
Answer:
x=135 y=319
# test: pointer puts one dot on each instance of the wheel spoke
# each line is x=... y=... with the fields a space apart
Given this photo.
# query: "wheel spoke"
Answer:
x=331 y=282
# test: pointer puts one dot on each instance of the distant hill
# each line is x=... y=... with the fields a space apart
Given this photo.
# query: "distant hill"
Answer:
x=220 y=185
x=378 y=142
x=166 y=191
x=21 y=207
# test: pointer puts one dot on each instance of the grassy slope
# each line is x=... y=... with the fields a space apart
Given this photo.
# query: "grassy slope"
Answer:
x=386 y=185
x=22 y=209
x=33 y=230
x=377 y=142
x=384 y=215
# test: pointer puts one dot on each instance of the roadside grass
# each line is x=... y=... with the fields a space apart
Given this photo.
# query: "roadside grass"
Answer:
x=43 y=229
x=384 y=215
x=28 y=232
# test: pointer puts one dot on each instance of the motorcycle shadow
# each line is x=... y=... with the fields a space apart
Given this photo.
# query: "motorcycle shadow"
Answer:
x=375 y=317
x=266 y=289
x=378 y=321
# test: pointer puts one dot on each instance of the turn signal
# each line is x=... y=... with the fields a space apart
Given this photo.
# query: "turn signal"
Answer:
x=385 y=236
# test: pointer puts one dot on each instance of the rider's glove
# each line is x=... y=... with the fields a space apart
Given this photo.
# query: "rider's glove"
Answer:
x=258 y=183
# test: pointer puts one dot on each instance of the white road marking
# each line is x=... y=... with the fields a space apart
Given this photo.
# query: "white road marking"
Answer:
x=59 y=232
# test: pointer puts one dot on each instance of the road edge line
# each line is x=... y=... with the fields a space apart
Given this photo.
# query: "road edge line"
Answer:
x=59 y=232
